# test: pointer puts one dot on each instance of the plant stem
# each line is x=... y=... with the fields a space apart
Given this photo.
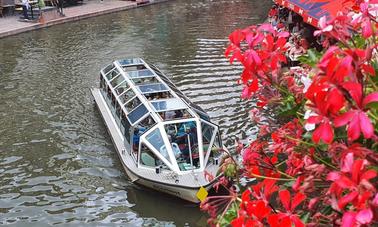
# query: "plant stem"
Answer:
x=285 y=174
x=324 y=162
x=300 y=141
x=372 y=115
x=271 y=178
x=372 y=83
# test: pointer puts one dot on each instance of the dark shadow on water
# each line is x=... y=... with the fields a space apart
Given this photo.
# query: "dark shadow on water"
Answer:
x=164 y=207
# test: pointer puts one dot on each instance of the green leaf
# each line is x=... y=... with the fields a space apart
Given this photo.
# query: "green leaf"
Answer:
x=311 y=58
x=230 y=215
x=307 y=135
x=327 y=210
x=289 y=111
x=305 y=217
x=359 y=41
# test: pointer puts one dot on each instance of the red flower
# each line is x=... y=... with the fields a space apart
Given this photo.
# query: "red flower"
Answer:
x=324 y=131
x=287 y=219
x=263 y=190
x=352 y=184
x=351 y=219
x=357 y=120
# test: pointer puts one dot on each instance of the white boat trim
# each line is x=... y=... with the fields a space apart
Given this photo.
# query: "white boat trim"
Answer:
x=172 y=179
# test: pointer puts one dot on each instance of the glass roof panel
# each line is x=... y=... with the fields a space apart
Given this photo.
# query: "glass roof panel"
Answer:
x=132 y=61
x=121 y=88
x=126 y=96
x=117 y=80
x=130 y=105
x=151 y=88
x=112 y=74
x=140 y=73
x=107 y=68
x=145 y=80
x=137 y=113
x=168 y=104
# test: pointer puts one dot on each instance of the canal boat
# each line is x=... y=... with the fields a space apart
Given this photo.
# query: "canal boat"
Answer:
x=164 y=141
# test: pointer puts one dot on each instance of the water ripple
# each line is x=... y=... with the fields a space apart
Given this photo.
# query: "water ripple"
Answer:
x=57 y=162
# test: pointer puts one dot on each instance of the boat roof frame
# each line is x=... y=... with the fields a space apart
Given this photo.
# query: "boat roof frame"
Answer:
x=116 y=65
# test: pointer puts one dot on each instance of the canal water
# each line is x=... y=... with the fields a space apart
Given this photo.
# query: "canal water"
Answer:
x=57 y=163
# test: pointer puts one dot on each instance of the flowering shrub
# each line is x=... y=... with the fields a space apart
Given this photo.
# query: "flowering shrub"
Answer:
x=317 y=166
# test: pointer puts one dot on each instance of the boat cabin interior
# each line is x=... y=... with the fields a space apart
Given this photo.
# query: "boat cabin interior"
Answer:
x=160 y=126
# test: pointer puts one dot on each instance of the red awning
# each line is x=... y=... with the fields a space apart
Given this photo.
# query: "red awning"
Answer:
x=313 y=10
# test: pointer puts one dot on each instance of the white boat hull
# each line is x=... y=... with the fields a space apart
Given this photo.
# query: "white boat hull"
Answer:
x=187 y=192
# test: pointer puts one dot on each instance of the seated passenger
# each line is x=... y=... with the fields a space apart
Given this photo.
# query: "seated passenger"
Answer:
x=186 y=127
x=178 y=114
x=170 y=115
x=136 y=138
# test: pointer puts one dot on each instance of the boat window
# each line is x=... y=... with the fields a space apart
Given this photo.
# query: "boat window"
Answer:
x=142 y=127
x=175 y=114
x=126 y=124
x=218 y=141
x=207 y=134
x=109 y=92
x=112 y=74
x=137 y=113
x=148 y=158
x=145 y=124
x=117 y=80
x=202 y=115
x=118 y=110
x=126 y=96
x=168 y=104
x=158 y=95
x=132 y=61
x=113 y=100
x=130 y=105
x=145 y=80
x=108 y=68
x=121 y=88
x=140 y=73
x=152 y=88
x=102 y=82
x=156 y=140
x=184 y=142
x=133 y=67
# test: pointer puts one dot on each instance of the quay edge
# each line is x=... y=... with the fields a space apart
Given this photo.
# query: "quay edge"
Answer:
x=84 y=15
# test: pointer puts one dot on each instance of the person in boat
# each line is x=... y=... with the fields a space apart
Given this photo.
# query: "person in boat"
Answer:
x=187 y=133
x=136 y=138
x=178 y=114
x=170 y=115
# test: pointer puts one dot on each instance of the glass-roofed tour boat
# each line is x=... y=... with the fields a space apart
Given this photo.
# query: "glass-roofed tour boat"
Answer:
x=164 y=141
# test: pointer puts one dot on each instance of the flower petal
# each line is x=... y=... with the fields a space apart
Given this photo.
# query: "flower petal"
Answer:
x=348 y=220
x=372 y=97
x=343 y=119
x=347 y=163
x=366 y=125
x=365 y=216
x=298 y=198
x=285 y=198
x=324 y=132
x=354 y=130
x=347 y=199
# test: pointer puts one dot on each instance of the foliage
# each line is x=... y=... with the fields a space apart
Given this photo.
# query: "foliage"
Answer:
x=318 y=166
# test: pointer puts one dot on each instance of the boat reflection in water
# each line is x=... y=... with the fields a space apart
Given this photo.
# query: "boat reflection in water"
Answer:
x=164 y=141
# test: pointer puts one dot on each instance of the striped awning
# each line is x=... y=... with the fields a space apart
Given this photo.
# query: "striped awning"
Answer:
x=313 y=10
